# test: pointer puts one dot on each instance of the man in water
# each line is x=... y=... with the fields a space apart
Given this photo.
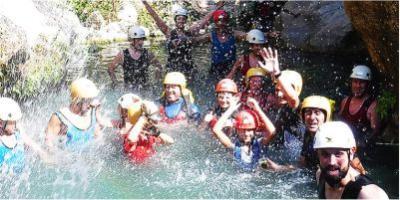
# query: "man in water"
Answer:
x=337 y=179
x=359 y=109
x=135 y=61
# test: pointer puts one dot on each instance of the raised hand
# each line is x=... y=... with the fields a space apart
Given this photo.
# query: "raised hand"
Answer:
x=252 y=103
x=271 y=62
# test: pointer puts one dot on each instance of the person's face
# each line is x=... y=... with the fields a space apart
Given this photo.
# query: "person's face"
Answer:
x=223 y=99
x=221 y=23
x=256 y=48
x=180 y=21
x=172 y=92
x=123 y=113
x=9 y=127
x=334 y=164
x=84 y=105
x=313 y=118
x=245 y=135
x=137 y=43
x=255 y=83
x=358 y=87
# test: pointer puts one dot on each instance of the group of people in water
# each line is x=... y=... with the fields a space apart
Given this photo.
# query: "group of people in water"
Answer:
x=253 y=109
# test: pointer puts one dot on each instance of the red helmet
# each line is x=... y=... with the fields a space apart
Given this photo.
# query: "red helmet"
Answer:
x=226 y=85
x=220 y=15
x=245 y=120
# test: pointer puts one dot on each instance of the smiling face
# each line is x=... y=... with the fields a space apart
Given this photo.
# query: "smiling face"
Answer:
x=245 y=135
x=334 y=164
x=223 y=99
x=172 y=93
x=8 y=127
x=137 y=43
x=180 y=21
x=255 y=83
x=256 y=48
x=313 y=118
x=359 y=87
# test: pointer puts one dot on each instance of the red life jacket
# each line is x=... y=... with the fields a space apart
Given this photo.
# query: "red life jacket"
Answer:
x=144 y=148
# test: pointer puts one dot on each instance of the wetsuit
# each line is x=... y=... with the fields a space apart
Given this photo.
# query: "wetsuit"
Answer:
x=136 y=71
x=178 y=111
x=351 y=190
x=287 y=122
x=359 y=121
x=223 y=55
x=180 y=58
x=308 y=152
x=76 y=137
x=248 y=160
x=13 y=158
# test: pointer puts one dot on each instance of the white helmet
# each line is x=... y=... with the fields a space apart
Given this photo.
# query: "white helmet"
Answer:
x=180 y=12
x=361 y=72
x=126 y=100
x=9 y=110
x=151 y=110
x=255 y=36
x=136 y=32
x=335 y=134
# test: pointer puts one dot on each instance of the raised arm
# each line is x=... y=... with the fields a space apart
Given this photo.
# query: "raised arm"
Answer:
x=133 y=135
x=195 y=28
x=267 y=124
x=217 y=129
x=160 y=23
x=52 y=131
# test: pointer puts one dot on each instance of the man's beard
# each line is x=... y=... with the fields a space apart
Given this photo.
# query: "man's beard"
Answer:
x=333 y=181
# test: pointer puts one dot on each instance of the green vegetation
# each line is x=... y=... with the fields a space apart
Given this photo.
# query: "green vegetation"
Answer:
x=387 y=104
x=107 y=8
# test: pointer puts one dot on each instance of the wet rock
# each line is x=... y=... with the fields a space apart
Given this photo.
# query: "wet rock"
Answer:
x=318 y=27
x=378 y=24
x=39 y=41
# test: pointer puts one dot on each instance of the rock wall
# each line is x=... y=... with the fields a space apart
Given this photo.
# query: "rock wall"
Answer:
x=39 y=40
x=318 y=27
x=378 y=24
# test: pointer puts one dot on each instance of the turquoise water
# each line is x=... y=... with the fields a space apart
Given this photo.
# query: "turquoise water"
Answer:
x=196 y=166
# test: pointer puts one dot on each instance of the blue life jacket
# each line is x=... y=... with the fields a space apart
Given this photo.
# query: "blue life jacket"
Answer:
x=173 y=110
x=76 y=137
x=256 y=152
x=14 y=158
x=222 y=52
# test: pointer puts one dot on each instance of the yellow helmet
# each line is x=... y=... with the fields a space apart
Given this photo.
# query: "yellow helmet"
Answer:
x=293 y=78
x=255 y=71
x=319 y=102
x=175 y=78
x=9 y=110
x=134 y=112
x=83 y=88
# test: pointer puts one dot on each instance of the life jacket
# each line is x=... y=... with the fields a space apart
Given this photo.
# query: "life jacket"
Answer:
x=243 y=159
x=359 y=121
x=177 y=111
x=173 y=112
x=76 y=137
x=180 y=58
x=222 y=52
x=351 y=190
x=144 y=148
x=136 y=71
x=13 y=158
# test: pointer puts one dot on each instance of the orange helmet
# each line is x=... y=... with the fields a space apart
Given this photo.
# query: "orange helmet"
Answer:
x=245 y=120
x=226 y=85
